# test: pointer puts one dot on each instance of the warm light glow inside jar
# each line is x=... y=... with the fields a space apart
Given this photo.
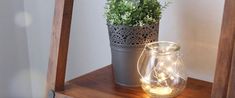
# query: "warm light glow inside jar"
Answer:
x=162 y=70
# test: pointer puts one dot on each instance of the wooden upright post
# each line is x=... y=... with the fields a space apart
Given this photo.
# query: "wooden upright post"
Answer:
x=221 y=86
x=231 y=83
x=59 y=45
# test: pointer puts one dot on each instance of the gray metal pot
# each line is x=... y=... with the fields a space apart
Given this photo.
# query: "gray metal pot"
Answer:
x=126 y=45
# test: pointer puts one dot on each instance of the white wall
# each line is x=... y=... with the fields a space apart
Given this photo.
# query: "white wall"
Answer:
x=14 y=64
x=195 y=24
x=89 y=44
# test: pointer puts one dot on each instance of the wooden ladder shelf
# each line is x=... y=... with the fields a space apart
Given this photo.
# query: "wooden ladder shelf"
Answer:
x=100 y=84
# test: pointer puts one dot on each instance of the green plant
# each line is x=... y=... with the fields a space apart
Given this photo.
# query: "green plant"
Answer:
x=133 y=12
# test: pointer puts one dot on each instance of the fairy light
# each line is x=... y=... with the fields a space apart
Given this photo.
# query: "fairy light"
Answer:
x=161 y=78
x=172 y=78
x=169 y=69
x=161 y=90
x=161 y=64
x=161 y=75
x=169 y=58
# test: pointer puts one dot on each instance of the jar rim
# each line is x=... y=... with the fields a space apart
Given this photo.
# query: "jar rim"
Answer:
x=162 y=47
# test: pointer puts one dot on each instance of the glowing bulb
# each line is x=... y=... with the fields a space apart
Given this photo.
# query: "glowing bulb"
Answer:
x=161 y=64
x=169 y=69
x=162 y=75
x=160 y=80
x=161 y=90
x=175 y=63
x=169 y=58
x=172 y=78
x=147 y=87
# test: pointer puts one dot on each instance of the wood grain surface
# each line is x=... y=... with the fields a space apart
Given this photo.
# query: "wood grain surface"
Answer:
x=59 y=45
x=231 y=84
x=100 y=84
x=225 y=51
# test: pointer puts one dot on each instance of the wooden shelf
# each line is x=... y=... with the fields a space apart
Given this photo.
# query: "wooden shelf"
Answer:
x=100 y=84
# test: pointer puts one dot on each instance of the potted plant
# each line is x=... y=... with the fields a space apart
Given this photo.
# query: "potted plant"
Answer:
x=131 y=24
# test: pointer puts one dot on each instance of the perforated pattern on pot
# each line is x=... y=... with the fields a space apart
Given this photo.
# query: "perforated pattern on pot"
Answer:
x=127 y=37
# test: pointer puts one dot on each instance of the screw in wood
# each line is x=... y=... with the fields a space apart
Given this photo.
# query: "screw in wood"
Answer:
x=51 y=94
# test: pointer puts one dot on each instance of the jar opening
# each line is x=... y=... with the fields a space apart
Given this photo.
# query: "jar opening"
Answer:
x=163 y=47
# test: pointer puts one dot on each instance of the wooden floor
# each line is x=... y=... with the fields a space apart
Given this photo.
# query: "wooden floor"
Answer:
x=100 y=84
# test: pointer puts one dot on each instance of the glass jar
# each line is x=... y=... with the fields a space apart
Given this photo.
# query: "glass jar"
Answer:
x=162 y=70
